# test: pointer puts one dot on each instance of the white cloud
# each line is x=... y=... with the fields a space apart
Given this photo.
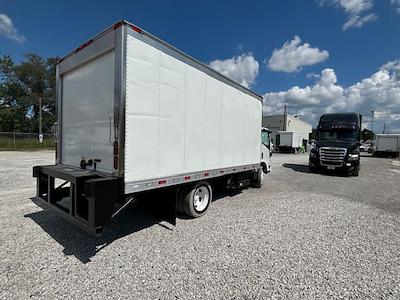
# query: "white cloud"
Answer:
x=396 y=4
x=355 y=10
x=379 y=92
x=293 y=56
x=393 y=66
x=357 y=21
x=356 y=6
x=242 y=69
x=8 y=29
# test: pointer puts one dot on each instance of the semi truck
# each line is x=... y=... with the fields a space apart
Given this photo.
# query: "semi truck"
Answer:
x=386 y=145
x=289 y=141
x=337 y=144
x=136 y=114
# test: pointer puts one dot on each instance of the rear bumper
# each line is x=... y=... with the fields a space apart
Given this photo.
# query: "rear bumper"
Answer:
x=85 y=198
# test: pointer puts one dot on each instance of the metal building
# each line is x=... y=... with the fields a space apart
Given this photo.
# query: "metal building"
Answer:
x=285 y=122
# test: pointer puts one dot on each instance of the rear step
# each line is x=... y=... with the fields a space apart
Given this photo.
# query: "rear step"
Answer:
x=90 y=200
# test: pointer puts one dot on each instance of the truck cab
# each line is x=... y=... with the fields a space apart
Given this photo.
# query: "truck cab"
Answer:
x=337 y=144
x=266 y=150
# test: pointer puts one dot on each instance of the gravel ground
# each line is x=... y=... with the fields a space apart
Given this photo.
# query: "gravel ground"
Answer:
x=302 y=236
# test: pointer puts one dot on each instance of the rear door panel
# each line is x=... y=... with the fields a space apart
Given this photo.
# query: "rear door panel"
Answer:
x=87 y=110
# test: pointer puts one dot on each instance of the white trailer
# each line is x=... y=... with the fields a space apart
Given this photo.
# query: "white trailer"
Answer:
x=136 y=114
x=289 y=141
x=386 y=144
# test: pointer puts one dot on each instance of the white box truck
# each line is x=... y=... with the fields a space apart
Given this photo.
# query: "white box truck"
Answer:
x=386 y=144
x=136 y=114
x=287 y=141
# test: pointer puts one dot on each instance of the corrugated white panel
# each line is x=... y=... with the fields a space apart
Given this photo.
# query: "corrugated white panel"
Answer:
x=228 y=132
x=172 y=116
x=239 y=128
x=142 y=111
x=254 y=145
x=87 y=103
x=195 y=119
x=212 y=151
x=181 y=120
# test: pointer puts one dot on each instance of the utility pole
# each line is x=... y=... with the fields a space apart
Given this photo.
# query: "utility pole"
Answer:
x=284 y=118
x=384 y=128
x=40 y=121
x=372 y=122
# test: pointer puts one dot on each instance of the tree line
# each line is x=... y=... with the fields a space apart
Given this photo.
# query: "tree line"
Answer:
x=23 y=86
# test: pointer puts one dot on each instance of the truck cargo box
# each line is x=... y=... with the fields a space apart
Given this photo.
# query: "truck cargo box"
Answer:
x=289 y=141
x=386 y=144
x=133 y=107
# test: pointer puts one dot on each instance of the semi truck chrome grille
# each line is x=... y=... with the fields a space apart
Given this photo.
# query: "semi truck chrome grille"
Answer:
x=332 y=156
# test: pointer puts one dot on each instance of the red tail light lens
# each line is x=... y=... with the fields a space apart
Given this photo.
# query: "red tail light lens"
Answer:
x=116 y=150
x=115 y=162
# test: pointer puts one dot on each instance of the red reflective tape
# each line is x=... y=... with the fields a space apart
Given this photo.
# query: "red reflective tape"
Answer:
x=187 y=177
x=117 y=25
x=162 y=182
x=83 y=46
x=206 y=174
x=115 y=162
x=221 y=172
x=137 y=29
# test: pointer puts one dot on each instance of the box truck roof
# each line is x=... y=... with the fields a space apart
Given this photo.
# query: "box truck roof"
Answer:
x=183 y=56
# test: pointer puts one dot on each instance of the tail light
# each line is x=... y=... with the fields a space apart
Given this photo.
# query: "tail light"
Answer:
x=116 y=148
x=115 y=162
x=116 y=151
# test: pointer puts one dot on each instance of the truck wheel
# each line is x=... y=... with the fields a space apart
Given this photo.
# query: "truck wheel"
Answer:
x=258 y=178
x=264 y=168
x=197 y=200
x=355 y=172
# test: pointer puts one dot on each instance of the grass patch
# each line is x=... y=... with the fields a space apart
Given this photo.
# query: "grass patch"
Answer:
x=25 y=144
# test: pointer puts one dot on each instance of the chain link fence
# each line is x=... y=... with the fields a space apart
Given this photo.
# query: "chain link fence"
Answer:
x=20 y=141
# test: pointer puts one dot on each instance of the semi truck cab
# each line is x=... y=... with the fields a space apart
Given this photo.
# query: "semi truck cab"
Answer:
x=337 y=144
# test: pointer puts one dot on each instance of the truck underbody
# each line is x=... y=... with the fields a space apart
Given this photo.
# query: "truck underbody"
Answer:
x=393 y=154
x=90 y=199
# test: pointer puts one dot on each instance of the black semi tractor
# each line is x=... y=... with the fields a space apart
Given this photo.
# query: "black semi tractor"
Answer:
x=337 y=144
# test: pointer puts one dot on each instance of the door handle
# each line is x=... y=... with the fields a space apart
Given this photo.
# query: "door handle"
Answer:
x=111 y=126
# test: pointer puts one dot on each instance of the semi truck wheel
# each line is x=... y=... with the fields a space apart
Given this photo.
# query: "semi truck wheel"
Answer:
x=355 y=172
x=312 y=169
x=196 y=200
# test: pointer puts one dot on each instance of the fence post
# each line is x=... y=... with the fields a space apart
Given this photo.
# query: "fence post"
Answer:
x=14 y=138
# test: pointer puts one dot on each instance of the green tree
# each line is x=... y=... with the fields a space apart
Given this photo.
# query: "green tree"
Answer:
x=21 y=85
x=367 y=134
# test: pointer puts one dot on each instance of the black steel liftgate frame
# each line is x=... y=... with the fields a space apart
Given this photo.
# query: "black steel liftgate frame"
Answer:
x=86 y=198
x=90 y=199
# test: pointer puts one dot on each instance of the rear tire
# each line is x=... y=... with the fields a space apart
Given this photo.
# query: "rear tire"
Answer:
x=355 y=172
x=196 y=200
